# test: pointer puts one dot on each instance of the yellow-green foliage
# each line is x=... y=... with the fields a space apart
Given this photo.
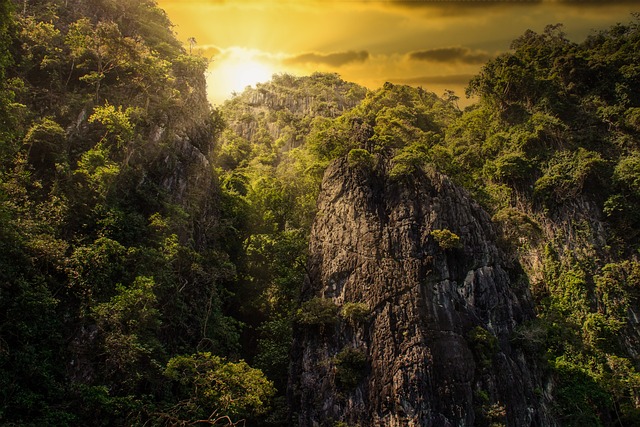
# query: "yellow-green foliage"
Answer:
x=409 y=159
x=355 y=311
x=518 y=228
x=446 y=239
x=567 y=174
x=127 y=321
x=317 y=312
x=360 y=158
x=351 y=366
x=627 y=172
x=116 y=121
x=483 y=344
x=209 y=384
x=510 y=167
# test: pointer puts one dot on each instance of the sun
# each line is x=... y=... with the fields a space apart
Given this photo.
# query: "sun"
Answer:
x=249 y=73
x=234 y=71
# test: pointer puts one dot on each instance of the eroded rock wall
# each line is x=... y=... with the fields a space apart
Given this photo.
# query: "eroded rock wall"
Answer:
x=437 y=339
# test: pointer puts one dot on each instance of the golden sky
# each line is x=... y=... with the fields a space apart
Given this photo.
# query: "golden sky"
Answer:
x=437 y=44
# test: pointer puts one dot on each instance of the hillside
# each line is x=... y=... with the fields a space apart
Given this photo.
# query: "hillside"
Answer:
x=112 y=261
x=312 y=252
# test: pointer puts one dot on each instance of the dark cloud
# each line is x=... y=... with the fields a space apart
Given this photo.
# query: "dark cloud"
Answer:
x=336 y=59
x=474 y=3
x=430 y=3
x=453 y=79
x=458 y=7
x=455 y=54
x=597 y=2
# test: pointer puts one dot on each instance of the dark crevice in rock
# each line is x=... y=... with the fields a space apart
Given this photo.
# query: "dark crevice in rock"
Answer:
x=439 y=330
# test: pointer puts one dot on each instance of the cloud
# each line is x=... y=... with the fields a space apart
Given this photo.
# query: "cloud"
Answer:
x=473 y=3
x=470 y=8
x=207 y=50
x=593 y=2
x=452 y=8
x=336 y=59
x=454 y=54
x=421 y=3
x=452 y=79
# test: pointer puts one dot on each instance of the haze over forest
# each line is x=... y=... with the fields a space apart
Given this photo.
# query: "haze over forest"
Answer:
x=436 y=45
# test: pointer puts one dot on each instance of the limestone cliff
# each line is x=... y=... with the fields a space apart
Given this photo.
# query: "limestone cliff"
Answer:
x=435 y=346
x=279 y=113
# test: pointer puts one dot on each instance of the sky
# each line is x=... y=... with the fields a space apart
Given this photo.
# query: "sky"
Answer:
x=436 y=44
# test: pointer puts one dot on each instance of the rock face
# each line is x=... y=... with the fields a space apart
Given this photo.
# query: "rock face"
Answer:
x=435 y=348
x=282 y=110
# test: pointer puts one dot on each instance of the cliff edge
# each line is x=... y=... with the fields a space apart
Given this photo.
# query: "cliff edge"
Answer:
x=409 y=310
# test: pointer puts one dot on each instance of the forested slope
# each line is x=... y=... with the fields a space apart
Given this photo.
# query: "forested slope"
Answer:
x=112 y=258
x=551 y=149
x=152 y=245
x=549 y=152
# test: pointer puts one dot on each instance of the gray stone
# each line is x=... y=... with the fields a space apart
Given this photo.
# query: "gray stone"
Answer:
x=372 y=243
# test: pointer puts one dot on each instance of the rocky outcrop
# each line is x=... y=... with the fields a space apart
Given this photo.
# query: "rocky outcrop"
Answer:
x=185 y=143
x=281 y=110
x=434 y=347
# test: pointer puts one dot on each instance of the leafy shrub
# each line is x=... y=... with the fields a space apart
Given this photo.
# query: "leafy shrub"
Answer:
x=355 y=311
x=484 y=345
x=209 y=384
x=579 y=398
x=633 y=118
x=567 y=174
x=351 y=366
x=117 y=122
x=128 y=323
x=488 y=414
x=272 y=356
x=189 y=65
x=446 y=239
x=47 y=143
x=409 y=159
x=495 y=415
x=511 y=167
x=360 y=158
x=317 y=312
x=517 y=226
x=627 y=172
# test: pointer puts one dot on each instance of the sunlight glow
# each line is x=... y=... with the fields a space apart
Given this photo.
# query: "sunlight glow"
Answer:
x=234 y=70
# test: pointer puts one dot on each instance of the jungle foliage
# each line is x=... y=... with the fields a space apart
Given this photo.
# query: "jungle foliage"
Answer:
x=113 y=277
x=550 y=149
x=152 y=249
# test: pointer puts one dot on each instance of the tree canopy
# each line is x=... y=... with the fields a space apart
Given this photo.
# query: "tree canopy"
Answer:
x=153 y=248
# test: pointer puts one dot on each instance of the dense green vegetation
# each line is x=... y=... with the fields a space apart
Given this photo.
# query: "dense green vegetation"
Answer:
x=152 y=249
x=550 y=149
x=114 y=267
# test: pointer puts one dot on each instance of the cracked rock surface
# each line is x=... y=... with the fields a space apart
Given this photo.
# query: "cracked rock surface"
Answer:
x=437 y=338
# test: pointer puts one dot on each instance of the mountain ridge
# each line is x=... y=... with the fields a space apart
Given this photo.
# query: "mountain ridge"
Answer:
x=160 y=258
